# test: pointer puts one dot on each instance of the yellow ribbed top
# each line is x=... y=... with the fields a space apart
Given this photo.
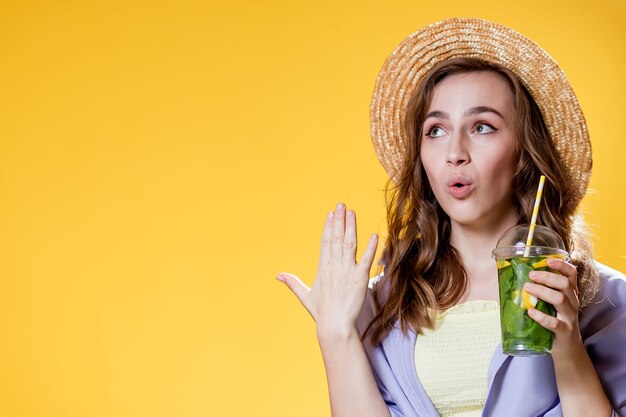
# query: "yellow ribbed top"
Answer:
x=452 y=360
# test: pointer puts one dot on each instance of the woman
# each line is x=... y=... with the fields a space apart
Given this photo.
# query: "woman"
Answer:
x=466 y=116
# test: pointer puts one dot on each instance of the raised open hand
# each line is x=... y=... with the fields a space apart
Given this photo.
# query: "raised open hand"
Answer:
x=337 y=294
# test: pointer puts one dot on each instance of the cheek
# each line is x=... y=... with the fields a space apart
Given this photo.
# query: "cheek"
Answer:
x=429 y=167
x=503 y=171
x=428 y=156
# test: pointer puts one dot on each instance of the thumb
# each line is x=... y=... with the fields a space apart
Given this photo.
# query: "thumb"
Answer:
x=296 y=286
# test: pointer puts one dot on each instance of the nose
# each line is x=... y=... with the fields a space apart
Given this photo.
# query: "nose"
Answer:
x=458 y=153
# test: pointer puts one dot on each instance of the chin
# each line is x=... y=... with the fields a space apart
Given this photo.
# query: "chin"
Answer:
x=467 y=216
x=463 y=214
x=466 y=221
x=471 y=218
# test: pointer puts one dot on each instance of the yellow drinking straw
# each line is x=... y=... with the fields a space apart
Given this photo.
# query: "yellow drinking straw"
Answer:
x=533 y=220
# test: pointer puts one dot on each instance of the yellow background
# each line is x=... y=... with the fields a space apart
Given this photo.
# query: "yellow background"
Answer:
x=161 y=161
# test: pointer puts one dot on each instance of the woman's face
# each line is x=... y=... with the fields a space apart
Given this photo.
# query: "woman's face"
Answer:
x=468 y=148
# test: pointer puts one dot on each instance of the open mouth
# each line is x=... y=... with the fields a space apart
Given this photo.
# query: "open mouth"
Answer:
x=459 y=186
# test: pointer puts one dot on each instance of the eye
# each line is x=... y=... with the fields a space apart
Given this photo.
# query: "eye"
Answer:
x=484 y=128
x=435 y=132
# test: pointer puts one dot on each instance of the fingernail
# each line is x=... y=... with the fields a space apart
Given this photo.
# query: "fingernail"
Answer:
x=340 y=206
x=553 y=261
x=280 y=277
x=532 y=275
x=528 y=286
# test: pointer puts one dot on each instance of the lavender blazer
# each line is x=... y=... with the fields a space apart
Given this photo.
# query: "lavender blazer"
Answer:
x=517 y=386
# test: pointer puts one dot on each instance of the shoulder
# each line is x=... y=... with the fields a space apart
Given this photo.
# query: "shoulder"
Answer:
x=607 y=309
x=612 y=287
x=610 y=274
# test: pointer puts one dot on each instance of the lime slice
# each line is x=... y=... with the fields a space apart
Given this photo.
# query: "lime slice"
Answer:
x=544 y=262
x=524 y=299
x=503 y=263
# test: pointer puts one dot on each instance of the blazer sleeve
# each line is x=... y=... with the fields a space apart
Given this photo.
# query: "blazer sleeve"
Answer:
x=391 y=405
x=603 y=329
x=373 y=353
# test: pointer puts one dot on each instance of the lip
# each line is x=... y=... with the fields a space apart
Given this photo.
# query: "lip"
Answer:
x=459 y=192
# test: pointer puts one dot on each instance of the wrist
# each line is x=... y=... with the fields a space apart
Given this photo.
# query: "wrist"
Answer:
x=578 y=384
x=575 y=351
x=335 y=333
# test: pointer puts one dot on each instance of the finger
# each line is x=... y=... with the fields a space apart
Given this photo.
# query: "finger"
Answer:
x=350 y=242
x=565 y=268
x=557 y=282
x=336 y=246
x=368 y=256
x=545 y=320
x=550 y=279
x=549 y=295
x=326 y=236
x=296 y=286
x=569 y=271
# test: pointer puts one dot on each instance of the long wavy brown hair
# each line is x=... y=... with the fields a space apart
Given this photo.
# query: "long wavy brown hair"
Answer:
x=422 y=270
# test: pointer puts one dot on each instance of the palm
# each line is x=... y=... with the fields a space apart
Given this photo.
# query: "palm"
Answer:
x=337 y=294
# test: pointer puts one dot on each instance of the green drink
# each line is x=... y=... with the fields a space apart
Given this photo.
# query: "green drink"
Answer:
x=521 y=335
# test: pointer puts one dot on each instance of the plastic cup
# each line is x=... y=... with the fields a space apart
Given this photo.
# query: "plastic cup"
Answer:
x=521 y=335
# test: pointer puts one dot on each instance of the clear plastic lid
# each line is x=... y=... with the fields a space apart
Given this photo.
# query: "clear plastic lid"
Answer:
x=545 y=241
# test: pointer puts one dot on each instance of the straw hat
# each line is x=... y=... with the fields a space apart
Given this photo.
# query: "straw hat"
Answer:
x=407 y=65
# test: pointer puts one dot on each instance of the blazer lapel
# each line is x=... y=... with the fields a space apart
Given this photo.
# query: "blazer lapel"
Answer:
x=402 y=361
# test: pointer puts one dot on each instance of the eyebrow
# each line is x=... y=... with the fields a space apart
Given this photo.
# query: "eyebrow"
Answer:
x=470 y=112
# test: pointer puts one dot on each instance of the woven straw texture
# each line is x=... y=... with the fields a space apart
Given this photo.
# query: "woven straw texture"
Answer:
x=465 y=37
